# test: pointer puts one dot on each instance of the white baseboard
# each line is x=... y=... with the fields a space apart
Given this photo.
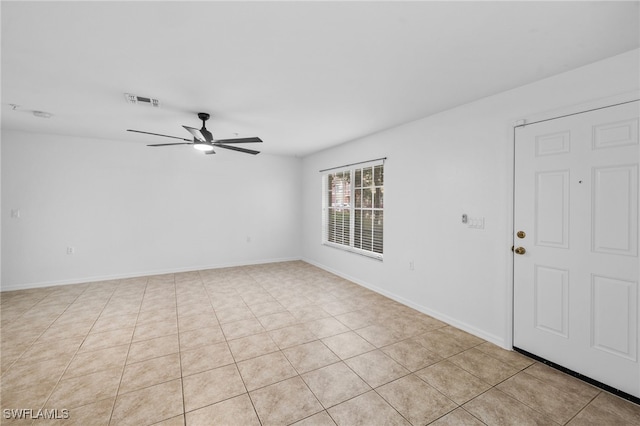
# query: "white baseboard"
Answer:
x=98 y=278
x=425 y=310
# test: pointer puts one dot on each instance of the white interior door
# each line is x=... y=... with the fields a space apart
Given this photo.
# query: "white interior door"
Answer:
x=576 y=243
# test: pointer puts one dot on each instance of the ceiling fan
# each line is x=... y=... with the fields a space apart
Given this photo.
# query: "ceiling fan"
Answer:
x=203 y=139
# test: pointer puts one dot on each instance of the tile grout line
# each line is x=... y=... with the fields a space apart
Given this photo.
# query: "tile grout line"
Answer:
x=299 y=375
x=235 y=363
x=535 y=408
x=81 y=343
x=45 y=329
x=255 y=410
x=128 y=351
x=584 y=408
x=184 y=405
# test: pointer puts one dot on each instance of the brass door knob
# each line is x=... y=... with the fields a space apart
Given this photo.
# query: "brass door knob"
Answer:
x=520 y=250
x=521 y=234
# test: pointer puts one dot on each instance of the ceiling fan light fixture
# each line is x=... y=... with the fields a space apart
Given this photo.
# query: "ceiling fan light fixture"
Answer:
x=203 y=146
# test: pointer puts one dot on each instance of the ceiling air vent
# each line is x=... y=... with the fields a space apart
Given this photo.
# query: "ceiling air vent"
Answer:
x=141 y=100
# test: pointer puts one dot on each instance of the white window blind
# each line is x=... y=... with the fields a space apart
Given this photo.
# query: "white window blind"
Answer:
x=353 y=208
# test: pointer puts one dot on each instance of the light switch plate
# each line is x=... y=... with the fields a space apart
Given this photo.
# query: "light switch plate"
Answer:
x=476 y=222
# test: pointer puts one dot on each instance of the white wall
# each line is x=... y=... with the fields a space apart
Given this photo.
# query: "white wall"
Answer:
x=132 y=210
x=439 y=167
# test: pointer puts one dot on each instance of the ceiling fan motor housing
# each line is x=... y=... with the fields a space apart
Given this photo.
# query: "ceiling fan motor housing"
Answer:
x=207 y=134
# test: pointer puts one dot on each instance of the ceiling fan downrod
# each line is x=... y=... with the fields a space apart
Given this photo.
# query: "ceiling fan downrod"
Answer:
x=203 y=116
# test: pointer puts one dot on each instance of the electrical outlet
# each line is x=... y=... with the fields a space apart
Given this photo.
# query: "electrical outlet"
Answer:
x=71 y=250
x=15 y=213
x=411 y=265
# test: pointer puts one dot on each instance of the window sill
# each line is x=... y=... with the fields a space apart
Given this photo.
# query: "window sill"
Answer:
x=370 y=255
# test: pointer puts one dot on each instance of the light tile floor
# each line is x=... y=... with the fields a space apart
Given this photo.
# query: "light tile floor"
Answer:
x=270 y=344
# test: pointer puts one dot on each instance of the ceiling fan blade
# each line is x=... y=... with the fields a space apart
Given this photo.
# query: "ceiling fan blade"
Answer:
x=158 y=134
x=196 y=133
x=239 y=140
x=168 y=144
x=235 y=148
x=209 y=152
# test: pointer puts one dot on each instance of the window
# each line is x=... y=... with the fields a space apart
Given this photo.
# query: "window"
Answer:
x=353 y=206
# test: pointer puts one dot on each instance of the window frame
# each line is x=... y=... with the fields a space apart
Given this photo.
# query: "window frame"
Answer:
x=352 y=207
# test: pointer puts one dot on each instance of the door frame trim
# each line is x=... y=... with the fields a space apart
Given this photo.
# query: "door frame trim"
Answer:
x=564 y=111
x=587 y=106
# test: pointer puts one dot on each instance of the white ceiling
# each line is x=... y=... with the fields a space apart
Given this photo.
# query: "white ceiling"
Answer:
x=303 y=76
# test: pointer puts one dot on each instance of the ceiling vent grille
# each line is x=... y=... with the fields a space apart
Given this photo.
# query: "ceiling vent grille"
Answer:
x=141 y=100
